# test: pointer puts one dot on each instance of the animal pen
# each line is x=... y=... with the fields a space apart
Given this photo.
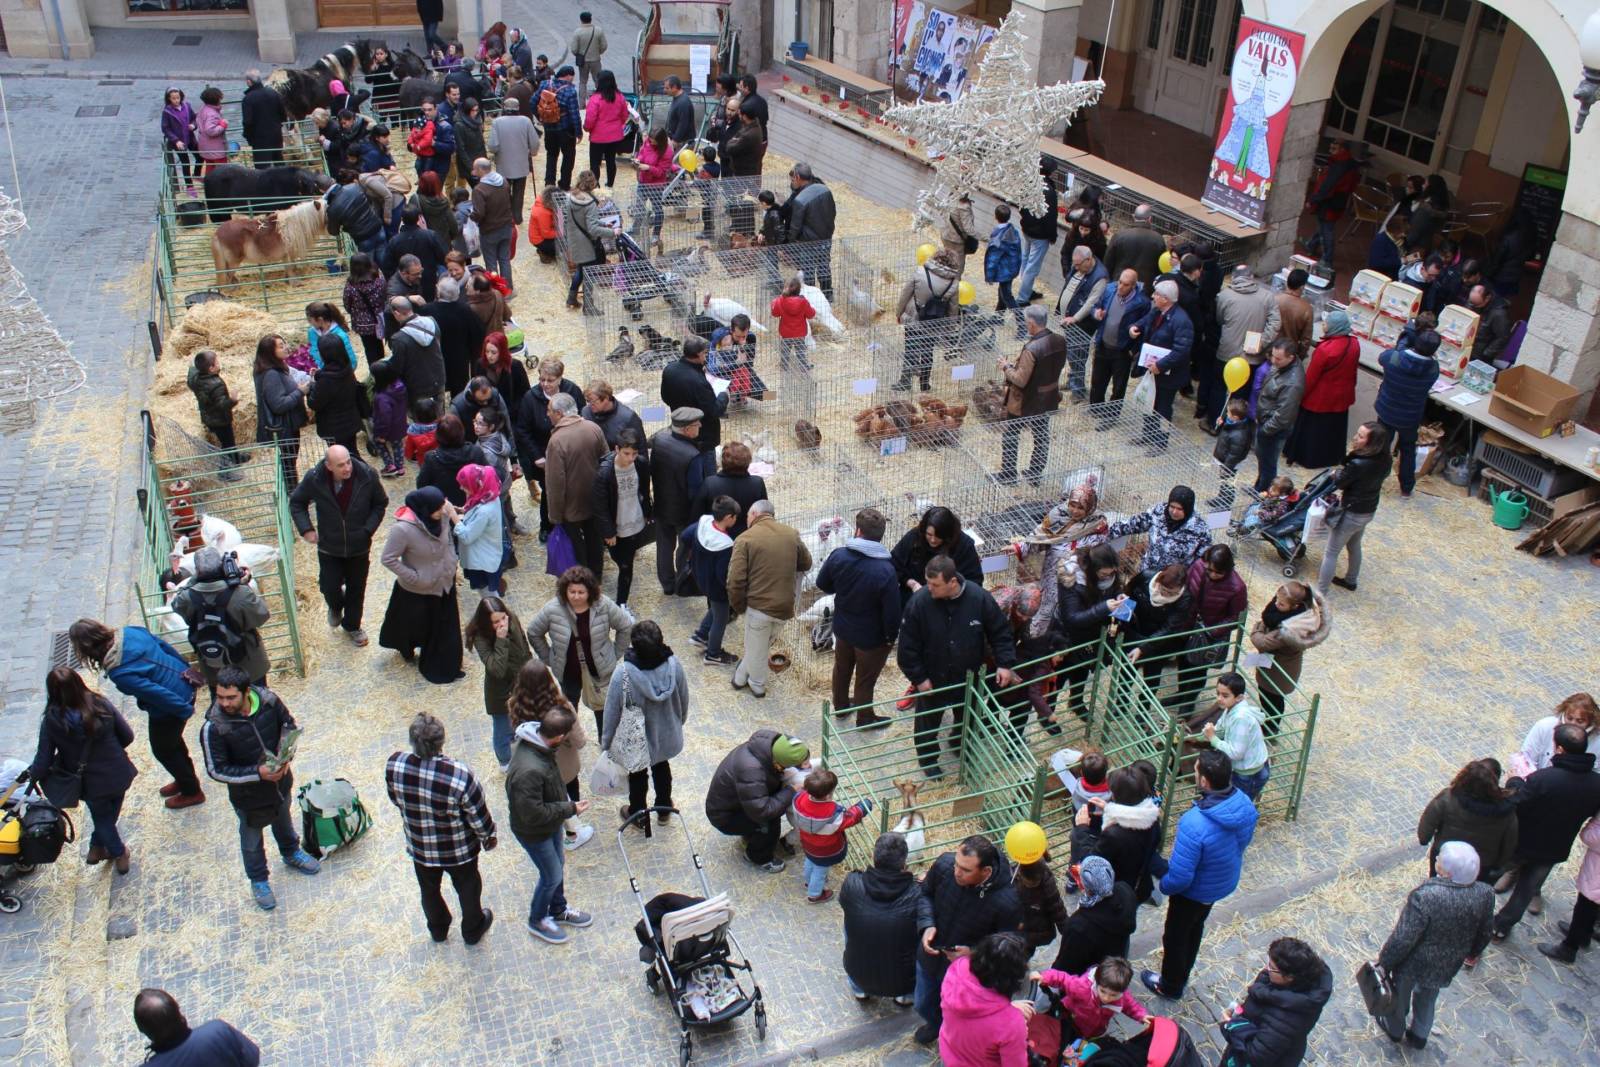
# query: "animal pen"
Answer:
x=186 y=482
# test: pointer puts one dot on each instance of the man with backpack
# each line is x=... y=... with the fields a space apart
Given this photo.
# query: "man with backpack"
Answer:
x=556 y=107
x=243 y=740
x=225 y=614
x=927 y=299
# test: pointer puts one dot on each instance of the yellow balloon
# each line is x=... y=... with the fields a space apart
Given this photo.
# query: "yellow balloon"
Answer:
x=689 y=159
x=1165 y=262
x=1236 y=372
x=965 y=293
x=1025 y=842
x=924 y=252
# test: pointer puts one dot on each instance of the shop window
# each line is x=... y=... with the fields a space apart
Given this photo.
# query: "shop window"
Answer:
x=187 y=7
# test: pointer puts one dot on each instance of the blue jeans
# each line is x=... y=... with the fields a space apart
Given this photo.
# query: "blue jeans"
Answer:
x=550 y=892
x=104 y=812
x=1321 y=242
x=714 y=624
x=375 y=246
x=252 y=845
x=1033 y=250
x=500 y=725
x=930 y=980
x=816 y=877
x=430 y=36
x=1269 y=446
x=1252 y=784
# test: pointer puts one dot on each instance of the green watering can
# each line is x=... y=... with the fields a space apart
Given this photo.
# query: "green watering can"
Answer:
x=1510 y=508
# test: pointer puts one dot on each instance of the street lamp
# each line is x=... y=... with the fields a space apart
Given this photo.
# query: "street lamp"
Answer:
x=1589 y=53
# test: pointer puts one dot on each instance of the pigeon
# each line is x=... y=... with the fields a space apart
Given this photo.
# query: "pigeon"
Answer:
x=624 y=349
x=723 y=310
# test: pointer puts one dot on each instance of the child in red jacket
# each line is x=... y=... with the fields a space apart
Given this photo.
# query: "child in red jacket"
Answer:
x=792 y=312
x=420 y=438
x=1092 y=998
x=822 y=824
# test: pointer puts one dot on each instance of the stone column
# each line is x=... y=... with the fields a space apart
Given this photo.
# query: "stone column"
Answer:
x=1287 y=199
x=1052 y=30
x=1563 y=338
x=31 y=33
x=861 y=33
x=274 y=31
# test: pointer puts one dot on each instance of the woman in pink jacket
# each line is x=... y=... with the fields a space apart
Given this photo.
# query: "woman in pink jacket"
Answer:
x=211 y=131
x=605 y=118
x=1580 y=929
x=982 y=1027
x=656 y=168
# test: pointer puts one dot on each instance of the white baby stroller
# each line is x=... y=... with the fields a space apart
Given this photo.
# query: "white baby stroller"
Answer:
x=689 y=950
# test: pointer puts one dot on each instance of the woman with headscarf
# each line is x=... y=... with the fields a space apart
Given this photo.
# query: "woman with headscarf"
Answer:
x=1073 y=524
x=533 y=695
x=478 y=534
x=1317 y=439
x=83 y=735
x=422 y=622
x=1175 y=533
x=651 y=679
x=1105 y=919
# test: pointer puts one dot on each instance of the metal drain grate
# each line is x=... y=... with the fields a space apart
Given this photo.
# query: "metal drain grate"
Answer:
x=186 y=40
x=61 y=653
x=117 y=81
x=98 y=111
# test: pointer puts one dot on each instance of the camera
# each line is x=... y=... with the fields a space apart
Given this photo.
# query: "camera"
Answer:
x=232 y=573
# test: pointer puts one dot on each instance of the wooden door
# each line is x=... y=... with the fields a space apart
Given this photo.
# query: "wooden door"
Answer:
x=332 y=14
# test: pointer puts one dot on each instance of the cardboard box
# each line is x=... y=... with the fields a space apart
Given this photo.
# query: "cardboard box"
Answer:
x=1386 y=330
x=1532 y=401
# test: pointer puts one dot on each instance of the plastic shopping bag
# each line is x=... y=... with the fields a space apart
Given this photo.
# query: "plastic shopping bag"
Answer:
x=1144 y=394
x=558 y=552
x=1316 y=522
x=608 y=779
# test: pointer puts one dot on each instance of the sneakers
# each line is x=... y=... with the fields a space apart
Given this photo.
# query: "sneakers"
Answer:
x=580 y=837
x=546 y=930
x=186 y=800
x=904 y=1000
x=303 y=861
x=488 y=921
x=908 y=701
x=392 y=471
x=821 y=898
x=262 y=892
x=358 y=637
x=697 y=640
x=334 y=617
x=772 y=866
x=1152 y=982
x=719 y=659
x=574 y=917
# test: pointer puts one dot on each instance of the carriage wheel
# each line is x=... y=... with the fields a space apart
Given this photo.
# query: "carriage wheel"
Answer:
x=685 y=1051
x=761 y=1021
x=25 y=868
x=1290 y=570
x=9 y=904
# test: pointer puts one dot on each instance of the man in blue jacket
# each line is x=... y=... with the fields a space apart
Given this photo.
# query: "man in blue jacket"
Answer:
x=1409 y=372
x=174 y=1044
x=866 y=615
x=1120 y=309
x=1167 y=326
x=1206 y=858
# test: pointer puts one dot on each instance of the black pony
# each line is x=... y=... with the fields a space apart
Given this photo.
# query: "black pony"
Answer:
x=234 y=189
x=305 y=90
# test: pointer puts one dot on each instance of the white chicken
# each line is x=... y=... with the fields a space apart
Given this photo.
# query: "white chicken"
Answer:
x=912 y=822
x=820 y=304
x=723 y=310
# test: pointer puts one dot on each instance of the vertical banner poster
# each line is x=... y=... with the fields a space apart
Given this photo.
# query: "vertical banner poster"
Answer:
x=1266 y=65
x=909 y=26
x=931 y=64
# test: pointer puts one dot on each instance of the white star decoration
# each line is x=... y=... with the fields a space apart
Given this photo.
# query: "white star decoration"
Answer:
x=990 y=136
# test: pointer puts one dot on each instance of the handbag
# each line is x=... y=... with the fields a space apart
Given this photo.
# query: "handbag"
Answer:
x=629 y=745
x=1376 y=989
x=558 y=552
x=1202 y=651
x=588 y=685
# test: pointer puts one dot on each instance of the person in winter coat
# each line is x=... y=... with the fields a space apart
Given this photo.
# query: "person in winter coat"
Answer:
x=860 y=576
x=622 y=506
x=414 y=353
x=763 y=574
x=340 y=401
x=959 y=234
x=605 y=119
x=1552 y=805
x=497 y=219
x=241 y=739
x=1244 y=306
x=572 y=459
x=263 y=119
x=1235 y=432
x=364 y=302
x=422 y=612
x=532 y=426
x=83 y=734
x=1233 y=727
x=1083 y=286
x=1331 y=197
x=537 y=799
x=937 y=533
x=452 y=452
x=732 y=479
x=710 y=547
x=820 y=821
x=588 y=238
x=212 y=593
x=480 y=537
x=471 y=141
x=1175 y=534
x=214 y=1043
x=982 y=1027
x=1166 y=325
x=928 y=298
x=880 y=924
x=145 y=667
x=1137 y=247
x=650 y=679
x=1093 y=997
x=436 y=209
x=211 y=395
x=501 y=644
x=580 y=634
x=1579 y=930
x=1002 y=261
x=1033 y=388
x=1163 y=614
x=1044 y=913
x=1360 y=482
x=1277 y=406
x=1408 y=376
x=1296 y=620
x=939 y=645
x=513 y=144
x=1129 y=834
x=684 y=385
x=1039 y=232
x=1220 y=599
x=542 y=228
x=211 y=131
x=280 y=403
x=1445 y=922
x=1280 y=1009
x=350 y=502
x=966 y=896
x=1122 y=306
x=748 y=795
x=1475 y=809
x=177 y=137
x=1106 y=917
x=602 y=408
x=1330 y=391
x=1084 y=613
x=794 y=313
x=1207 y=856
x=1070 y=526
x=676 y=466
x=1539 y=746
x=461 y=333
x=534 y=695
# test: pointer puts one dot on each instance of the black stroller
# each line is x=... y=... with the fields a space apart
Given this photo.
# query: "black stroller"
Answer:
x=690 y=952
x=1285 y=533
x=33 y=831
x=638 y=281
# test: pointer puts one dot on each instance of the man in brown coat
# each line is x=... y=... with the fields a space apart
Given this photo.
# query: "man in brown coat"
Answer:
x=761 y=587
x=1295 y=314
x=1033 y=387
x=492 y=208
x=571 y=460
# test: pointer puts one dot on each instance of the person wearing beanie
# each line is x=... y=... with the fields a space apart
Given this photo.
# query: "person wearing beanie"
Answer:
x=1166 y=327
x=749 y=793
x=225 y=614
x=1176 y=534
x=1320 y=433
x=677 y=467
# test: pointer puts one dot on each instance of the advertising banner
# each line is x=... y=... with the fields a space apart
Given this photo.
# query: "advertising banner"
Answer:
x=1266 y=65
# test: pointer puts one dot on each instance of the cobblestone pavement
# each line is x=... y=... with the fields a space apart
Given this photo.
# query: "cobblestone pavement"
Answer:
x=1452 y=647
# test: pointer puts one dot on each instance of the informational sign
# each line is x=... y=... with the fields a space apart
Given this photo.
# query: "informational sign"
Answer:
x=1540 y=196
x=700 y=67
x=1266 y=66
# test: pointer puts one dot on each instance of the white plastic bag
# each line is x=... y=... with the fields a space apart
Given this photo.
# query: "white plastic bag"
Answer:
x=608 y=779
x=469 y=234
x=1144 y=394
x=1316 y=522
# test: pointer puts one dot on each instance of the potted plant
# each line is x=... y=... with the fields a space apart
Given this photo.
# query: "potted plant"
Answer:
x=799 y=49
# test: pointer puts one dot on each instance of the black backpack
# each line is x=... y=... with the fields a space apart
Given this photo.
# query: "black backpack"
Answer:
x=938 y=304
x=214 y=637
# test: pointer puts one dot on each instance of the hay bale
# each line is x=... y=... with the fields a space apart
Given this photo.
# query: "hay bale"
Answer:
x=231 y=330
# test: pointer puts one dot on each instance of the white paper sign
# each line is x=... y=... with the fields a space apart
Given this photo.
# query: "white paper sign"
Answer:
x=628 y=396
x=1257 y=660
x=962 y=373
x=761 y=470
x=1464 y=397
x=718 y=385
x=995 y=564
x=654 y=413
x=892 y=446
x=1219 y=520
x=864 y=386
x=700 y=66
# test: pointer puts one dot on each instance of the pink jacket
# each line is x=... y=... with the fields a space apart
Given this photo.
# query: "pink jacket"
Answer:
x=1589 y=872
x=981 y=1028
x=655 y=168
x=1088 y=1014
x=605 y=122
x=211 y=135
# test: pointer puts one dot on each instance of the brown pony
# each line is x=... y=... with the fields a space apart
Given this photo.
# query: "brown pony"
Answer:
x=280 y=237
